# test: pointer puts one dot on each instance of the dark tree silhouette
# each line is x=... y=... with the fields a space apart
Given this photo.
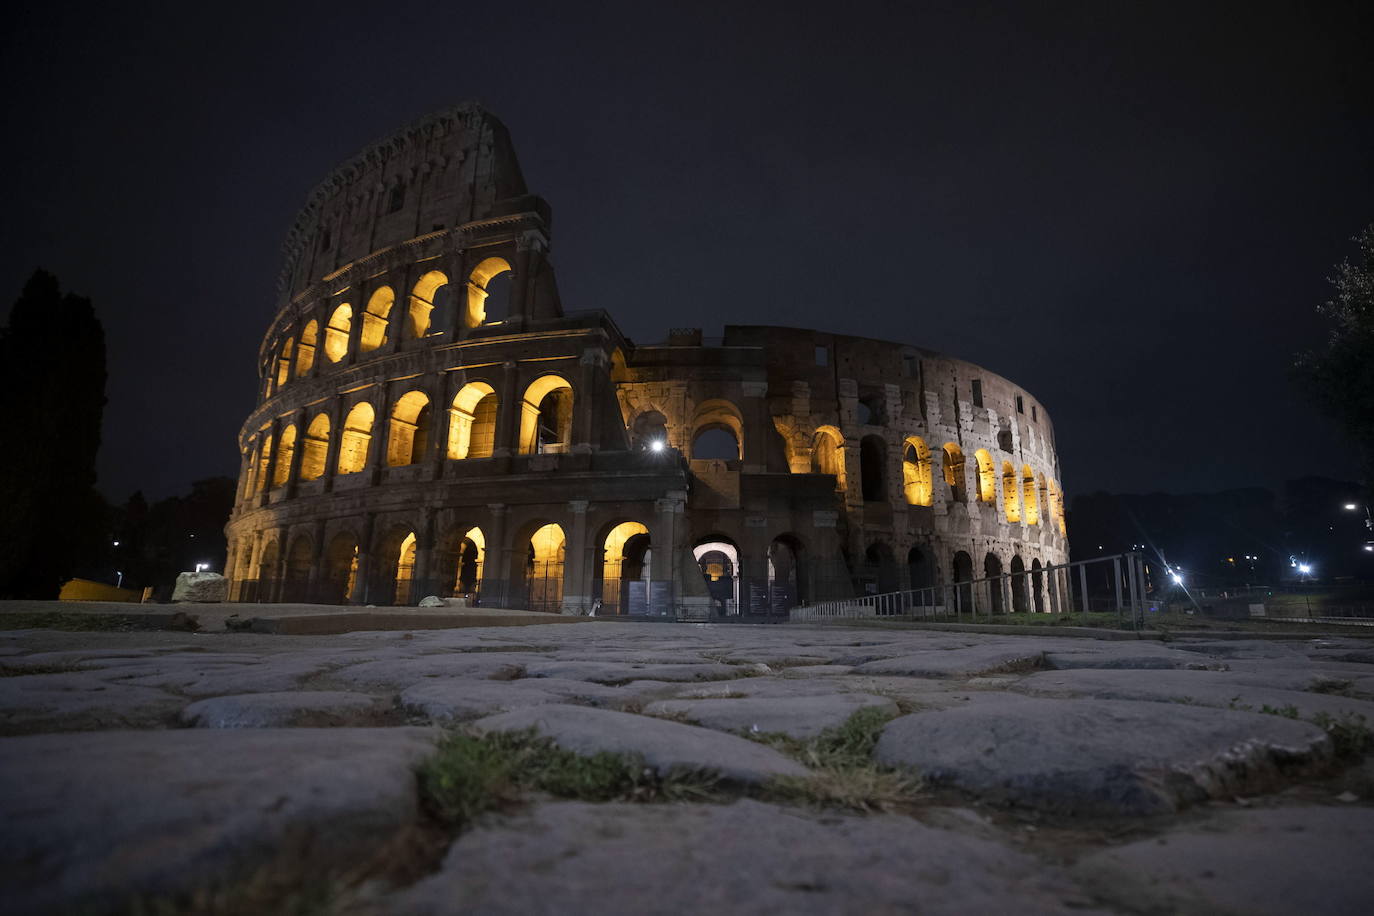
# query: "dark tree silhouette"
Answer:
x=52 y=371
x=1341 y=377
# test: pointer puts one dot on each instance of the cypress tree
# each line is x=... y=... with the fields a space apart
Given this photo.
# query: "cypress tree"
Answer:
x=52 y=369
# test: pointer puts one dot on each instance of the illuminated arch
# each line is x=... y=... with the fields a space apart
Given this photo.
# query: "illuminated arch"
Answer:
x=286 y=450
x=471 y=559
x=375 y=319
x=336 y=333
x=987 y=477
x=827 y=454
x=1011 y=493
x=284 y=362
x=472 y=422
x=314 y=447
x=481 y=275
x=264 y=459
x=544 y=568
x=305 y=350
x=546 y=416
x=717 y=414
x=405 y=569
x=422 y=297
x=953 y=469
x=355 y=437
x=409 y=433
x=1030 y=496
x=625 y=558
x=916 y=476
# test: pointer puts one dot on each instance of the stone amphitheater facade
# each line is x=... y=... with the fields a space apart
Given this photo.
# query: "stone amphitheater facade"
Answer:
x=432 y=421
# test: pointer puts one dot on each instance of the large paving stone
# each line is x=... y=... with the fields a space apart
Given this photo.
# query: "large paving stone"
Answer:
x=79 y=701
x=448 y=699
x=90 y=819
x=664 y=745
x=1125 y=654
x=1099 y=756
x=1278 y=861
x=402 y=672
x=797 y=717
x=1204 y=688
x=619 y=673
x=746 y=857
x=279 y=710
x=964 y=662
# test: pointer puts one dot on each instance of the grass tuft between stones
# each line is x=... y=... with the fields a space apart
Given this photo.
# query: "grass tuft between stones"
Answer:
x=469 y=774
x=1350 y=734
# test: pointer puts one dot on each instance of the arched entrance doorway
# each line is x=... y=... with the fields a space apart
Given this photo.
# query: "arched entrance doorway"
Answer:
x=1038 y=586
x=963 y=585
x=786 y=576
x=719 y=563
x=621 y=579
x=992 y=572
x=1018 y=585
x=544 y=569
x=340 y=568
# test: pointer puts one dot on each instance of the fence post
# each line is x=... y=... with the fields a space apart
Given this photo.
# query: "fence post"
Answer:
x=1116 y=583
x=1083 y=584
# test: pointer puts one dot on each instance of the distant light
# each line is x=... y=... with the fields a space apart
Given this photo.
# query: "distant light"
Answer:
x=116 y=543
x=1178 y=580
x=201 y=567
x=1304 y=568
x=656 y=445
x=1369 y=547
x=1351 y=507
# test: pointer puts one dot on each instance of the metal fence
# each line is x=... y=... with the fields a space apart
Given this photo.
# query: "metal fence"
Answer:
x=1107 y=585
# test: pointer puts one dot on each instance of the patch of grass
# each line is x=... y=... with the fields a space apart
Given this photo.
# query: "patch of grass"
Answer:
x=1334 y=686
x=470 y=774
x=22 y=670
x=1349 y=732
x=1288 y=712
x=843 y=772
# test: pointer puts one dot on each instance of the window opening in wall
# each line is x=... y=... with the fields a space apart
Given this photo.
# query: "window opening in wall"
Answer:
x=472 y=423
x=911 y=366
x=977 y=393
x=305 y=350
x=544 y=568
x=375 y=319
x=336 y=333
x=410 y=423
x=822 y=356
x=488 y=300
x=398 y=197
x=954 y=472
x=863 y=414
x=422 y=301
x=1020 y=405
x=715 y=443
x=1034 y=416
x=325 y=239
x=827 y=456
x=1004 y=440
x=546 y=416
x=872 y=453
x=355 y=438
x=987 y=476
x=872 y=410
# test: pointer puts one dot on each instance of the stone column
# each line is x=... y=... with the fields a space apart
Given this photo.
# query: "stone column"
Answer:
x=757 y=427
x=364 y=572
x=495 y=585
x=587 y=400
x=420 y=586
x=331 y=449
x=321 y=325
x=520 y=298
x=293 y=473
x=271 y=470
x=312 y=589
x=381 y=435
x=508 y=414
x=664 y=541
x=396 y=323
x=457 y=270
x=279 y=572
x=576 y=581
x=355 y=327
x=441 y=418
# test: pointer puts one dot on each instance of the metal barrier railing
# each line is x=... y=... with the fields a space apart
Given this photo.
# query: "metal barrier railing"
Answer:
x=1113 y=584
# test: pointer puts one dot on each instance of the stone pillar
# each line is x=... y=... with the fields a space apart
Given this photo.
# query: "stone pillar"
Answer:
x=293 y=473
x=664 y=541
x=331 y=449
x=508 y=413
x=495 y=585
x=420 y=585
x=321 y=317
x=271 y=470
x=441 y=418
x=757 y=427
x=399 y=281
x=355 y=327
x=312 y=593
x=457 y=270
x=520 y=297
x=279 y=571
x=381 y=435
x=576 y=580
x=587 y=400
x=361 y=578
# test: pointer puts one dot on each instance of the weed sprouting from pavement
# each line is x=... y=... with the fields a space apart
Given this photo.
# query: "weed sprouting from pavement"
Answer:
x=1350 y=733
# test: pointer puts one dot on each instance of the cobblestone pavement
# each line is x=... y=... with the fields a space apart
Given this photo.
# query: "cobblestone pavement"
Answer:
x=1046 y=774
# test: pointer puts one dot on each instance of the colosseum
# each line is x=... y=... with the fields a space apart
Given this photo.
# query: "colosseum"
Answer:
x=432 y=421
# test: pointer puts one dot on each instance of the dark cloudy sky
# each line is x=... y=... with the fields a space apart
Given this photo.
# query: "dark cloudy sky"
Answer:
x=1130 y=209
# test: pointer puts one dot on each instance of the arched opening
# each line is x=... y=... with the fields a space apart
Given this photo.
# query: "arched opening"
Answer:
x=623 y=573
x=296 y=586
x=305 y=351
x=315 y=447
x=872 y=456
x=717 y=431
x=546 y=416
x=355 y=438
x=405 y=570
x=1011 y=493
x=544 y=569
x=719 y=564
x=1030 y=495
x=250 y=474
x=786 y=587
x=953 y=467
x=649 y=431
x=879 y=573
x=1037 y=586
x=286 y=451
x=336 y=333
x=409 y=435
x=992 y=571
x=422 y=300
x=284 y=362
x=1043 y=498
x=920 y=568
x=264 y=461
x=472 y=551
x=340 y=569
x=1018 y=585
x=987 y=477
x=827 y=455
x=472 y=422
x=962 y=568
x=375 y=319
x=870 y=410
x=487 y=302
x=916 y=476
x=715 y=443
x=268 y=572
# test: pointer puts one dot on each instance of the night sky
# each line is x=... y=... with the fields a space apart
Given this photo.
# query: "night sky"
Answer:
x=1129 y=209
